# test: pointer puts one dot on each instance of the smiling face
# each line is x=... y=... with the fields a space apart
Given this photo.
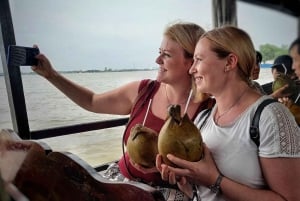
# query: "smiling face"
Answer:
x=224 y=58
x=173 y=65
x=208 y=68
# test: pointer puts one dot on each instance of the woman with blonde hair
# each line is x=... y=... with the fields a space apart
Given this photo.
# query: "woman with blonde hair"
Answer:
x=233 y=166
x=172 y=86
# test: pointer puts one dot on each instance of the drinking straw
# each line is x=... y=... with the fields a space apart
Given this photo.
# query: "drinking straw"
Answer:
x=147 y=112
x=297 y=98
x=188 y=101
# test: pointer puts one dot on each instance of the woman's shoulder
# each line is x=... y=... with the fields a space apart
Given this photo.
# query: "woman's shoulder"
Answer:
x=203 y=114
x=279 y=132
x=270 y=111
x=207 y=104
x=147 y=83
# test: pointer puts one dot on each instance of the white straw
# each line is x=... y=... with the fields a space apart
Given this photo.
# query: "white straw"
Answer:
x=147 y=112
x=297 y=98
x=188 y=101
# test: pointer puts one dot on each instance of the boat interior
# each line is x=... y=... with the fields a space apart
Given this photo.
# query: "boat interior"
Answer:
x=38 y=173
x=35 y=172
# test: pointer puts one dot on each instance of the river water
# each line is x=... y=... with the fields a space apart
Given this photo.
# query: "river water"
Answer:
x=47 y=107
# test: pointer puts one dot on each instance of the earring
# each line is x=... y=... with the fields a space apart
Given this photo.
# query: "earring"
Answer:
x=226 y=69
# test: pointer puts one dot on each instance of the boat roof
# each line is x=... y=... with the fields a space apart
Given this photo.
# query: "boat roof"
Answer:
x=290 y=7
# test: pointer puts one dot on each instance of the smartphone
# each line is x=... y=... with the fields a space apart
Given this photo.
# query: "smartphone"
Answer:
x=22 y=56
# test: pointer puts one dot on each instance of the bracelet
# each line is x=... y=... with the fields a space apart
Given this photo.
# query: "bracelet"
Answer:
x=215 y=188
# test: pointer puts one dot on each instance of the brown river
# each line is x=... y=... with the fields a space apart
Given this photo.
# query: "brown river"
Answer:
x=47 y=107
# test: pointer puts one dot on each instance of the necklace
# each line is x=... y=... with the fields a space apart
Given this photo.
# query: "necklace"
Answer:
x=169 y=102
x=217 y=117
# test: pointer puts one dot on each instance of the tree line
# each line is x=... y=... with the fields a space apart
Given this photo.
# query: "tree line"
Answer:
x=270 y=52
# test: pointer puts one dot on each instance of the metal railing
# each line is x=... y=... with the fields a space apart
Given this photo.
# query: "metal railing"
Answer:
x=77 y=128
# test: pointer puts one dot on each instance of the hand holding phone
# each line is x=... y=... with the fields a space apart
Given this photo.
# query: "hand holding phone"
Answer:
x=22 y=56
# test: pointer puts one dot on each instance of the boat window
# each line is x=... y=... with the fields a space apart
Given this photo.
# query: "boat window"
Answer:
x=104 y=44
x=100 y=45
x=267 y=26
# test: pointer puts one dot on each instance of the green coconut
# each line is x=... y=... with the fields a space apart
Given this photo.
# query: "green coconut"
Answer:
x=282 y=80
x=292 y=91
x=180 y=137
x=142 y=146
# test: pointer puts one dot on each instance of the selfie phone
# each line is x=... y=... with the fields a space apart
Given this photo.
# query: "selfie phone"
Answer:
x=22 y=56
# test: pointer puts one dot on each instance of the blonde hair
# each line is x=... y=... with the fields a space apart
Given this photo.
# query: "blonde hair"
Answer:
x=186 y=34
x=229 y=39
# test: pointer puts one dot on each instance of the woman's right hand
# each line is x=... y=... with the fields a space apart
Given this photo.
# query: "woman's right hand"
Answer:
x=44 y=67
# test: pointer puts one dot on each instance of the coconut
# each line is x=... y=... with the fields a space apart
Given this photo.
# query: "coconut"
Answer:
x=180 y=137
x=142 y=145
x=292 y=90
x=282 y=80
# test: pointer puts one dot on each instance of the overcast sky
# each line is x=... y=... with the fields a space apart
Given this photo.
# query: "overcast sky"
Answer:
x=94 y=34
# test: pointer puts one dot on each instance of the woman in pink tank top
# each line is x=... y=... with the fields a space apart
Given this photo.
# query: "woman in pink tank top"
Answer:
x=172 y=86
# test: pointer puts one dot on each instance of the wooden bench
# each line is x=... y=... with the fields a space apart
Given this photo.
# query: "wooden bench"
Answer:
x=42 y=174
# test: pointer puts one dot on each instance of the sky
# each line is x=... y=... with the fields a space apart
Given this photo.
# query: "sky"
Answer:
x=118 y=34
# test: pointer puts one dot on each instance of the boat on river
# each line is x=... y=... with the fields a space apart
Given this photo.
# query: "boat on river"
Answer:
x=35 y=172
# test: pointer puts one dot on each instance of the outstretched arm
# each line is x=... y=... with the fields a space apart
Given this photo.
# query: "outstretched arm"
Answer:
x=117 y=101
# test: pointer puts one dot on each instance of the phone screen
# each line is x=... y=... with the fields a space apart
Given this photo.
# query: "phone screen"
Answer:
x=22 y=56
